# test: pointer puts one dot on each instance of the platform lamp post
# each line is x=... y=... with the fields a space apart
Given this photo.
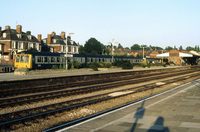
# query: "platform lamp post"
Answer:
x=143 y=52
x=67 y=50
x=112 y=43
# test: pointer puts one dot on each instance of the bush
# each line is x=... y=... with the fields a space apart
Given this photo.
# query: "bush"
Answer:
x=22 y=69
x=54 y=67
x=77 y=64
x=144 y=64
x=94 y=66
x=107 y=65
x=127 y=65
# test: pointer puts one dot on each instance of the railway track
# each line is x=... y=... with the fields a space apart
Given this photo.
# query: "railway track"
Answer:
x=8 y=119
x=19 y=100
x=6 y=91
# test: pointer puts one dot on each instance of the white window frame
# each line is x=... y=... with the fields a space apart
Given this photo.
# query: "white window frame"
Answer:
x=0 y=48
x=13 y=45
x=51 y=49
x=38 y=46
x=4 y=35
x=20 y=43
x=54 y=40
x=30 y=45
x=29 y=37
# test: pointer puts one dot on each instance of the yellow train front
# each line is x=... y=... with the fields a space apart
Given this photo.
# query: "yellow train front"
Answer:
x=23 y=60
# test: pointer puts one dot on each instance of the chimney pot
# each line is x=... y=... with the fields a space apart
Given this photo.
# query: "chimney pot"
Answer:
x=53 y=34
x=39 y=37
x=7 y=27
x=49 y=39
x=62 y=34
x=19 y=28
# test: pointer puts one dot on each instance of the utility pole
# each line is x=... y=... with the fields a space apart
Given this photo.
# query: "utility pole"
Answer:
x=112 y=50
x=67 y=50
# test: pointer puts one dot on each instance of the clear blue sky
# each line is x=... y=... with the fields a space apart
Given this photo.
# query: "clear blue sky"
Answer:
x=150 y=22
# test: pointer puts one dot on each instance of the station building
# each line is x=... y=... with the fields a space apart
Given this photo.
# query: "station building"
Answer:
x=180 y=58
x=13 y=41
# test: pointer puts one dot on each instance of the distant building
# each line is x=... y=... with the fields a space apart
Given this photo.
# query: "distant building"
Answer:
x=13 y=41
x=57 y=43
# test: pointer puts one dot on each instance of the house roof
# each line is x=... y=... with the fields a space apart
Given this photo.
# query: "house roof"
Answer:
x=12 y=34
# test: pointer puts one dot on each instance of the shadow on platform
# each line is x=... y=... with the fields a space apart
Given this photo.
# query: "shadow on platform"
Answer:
x=158 y=126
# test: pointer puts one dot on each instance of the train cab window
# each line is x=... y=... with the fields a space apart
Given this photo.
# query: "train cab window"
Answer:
x=22 y=58
x=39 y=59
x=17 y=58
x=26 y=59
x=45 y=59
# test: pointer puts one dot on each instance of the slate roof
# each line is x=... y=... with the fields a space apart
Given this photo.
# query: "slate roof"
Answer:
x=60 y=40
x=11 y=34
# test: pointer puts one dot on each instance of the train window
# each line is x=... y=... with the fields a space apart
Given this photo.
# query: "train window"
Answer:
x=26 y=59
x=22 y=58
x=39 y=59
x=49 y=59
x=45 y=59
x=17 y=58
x=58 y=59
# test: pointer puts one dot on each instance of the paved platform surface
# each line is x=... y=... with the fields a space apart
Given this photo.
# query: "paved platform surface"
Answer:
x=11 y=76
x=177 y=110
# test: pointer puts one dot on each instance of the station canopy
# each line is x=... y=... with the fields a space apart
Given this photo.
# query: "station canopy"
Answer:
x=180 y=55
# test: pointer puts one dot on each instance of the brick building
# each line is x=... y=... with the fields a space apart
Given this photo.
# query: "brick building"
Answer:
x=13 y=41
x=57 y=43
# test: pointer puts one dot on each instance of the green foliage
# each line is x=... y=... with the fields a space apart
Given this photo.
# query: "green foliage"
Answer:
x=189 y=48
x=107 y=64
x=94 y=66
x=120 y=46
x=54 y=67
x=125 y=64
x=22 y=69
x=168 y=48
x=144 y=64
x=135 y=47
x=93 y=47
x=77 y=64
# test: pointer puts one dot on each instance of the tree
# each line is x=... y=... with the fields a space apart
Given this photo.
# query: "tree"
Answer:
x=168 y=48
x=135 y=47
x=189 y=48
x=120 y=46
x=181 y=47
x=93 y=47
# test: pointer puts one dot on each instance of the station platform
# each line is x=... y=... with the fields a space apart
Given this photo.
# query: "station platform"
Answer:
x=12 y=76
x=176 y=110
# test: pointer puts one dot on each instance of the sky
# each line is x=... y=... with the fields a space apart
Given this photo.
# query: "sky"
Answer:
x=145 y=22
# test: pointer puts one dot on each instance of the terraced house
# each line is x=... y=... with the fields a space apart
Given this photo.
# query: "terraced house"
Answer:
x=13 y=41
x=57 y=43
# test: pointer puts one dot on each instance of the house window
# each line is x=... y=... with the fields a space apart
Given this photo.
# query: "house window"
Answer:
x=44 y=40
x=19 y=35
x=61 y=48
x=13 y=44
x=37 y=46
x=29 y=37
x=4 y=35
x=0 y=48
x=30 y=45
x=54 y=40
x=20 y=45
x=51 y=49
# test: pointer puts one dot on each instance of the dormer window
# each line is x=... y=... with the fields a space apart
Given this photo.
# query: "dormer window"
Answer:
x=29 y=37
x=44 y=40
x=19 y=35
x=54 y=40
x=4 y=35
x=72 y=42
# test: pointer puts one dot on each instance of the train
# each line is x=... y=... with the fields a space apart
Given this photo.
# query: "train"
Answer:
x=45 y=60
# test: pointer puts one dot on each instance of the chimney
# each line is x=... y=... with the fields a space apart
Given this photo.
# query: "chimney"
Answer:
x=19 y=28
x=39 y=37
x=62 y=34
x=0 y=31
x=49 y=39
x=7 y=27
x=53 y=34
